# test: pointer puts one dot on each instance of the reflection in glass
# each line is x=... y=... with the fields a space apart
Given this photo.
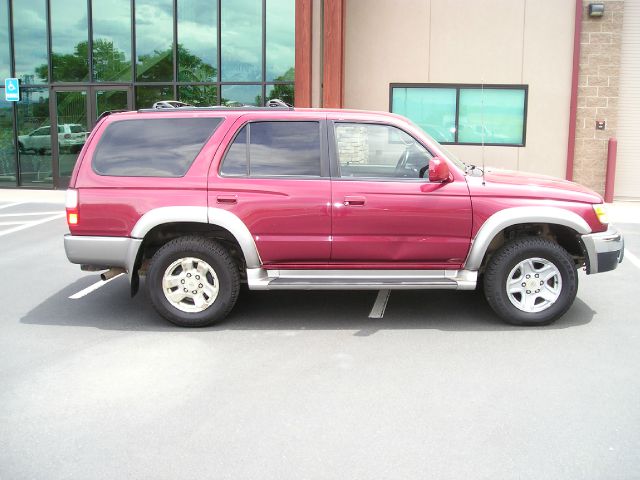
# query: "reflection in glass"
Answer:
x=71 y=110
x=69 y=41
x=4 y=41
x=154 y=40
x=198 y=95
x=280 y=48
x=147 y=96
x=499 y=118
x=281 y=92
x=433 y=109
x=111 y=40
x=110 y=100
x=7 y=151
x=241 y=37
x=238 y=95
x=30 y=41
x=34 y=137
x=197 y=40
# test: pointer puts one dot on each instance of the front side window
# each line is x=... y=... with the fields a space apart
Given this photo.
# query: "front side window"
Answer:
x=265 y=149
x=379 y=151
x=152 y=148
x=465 y=114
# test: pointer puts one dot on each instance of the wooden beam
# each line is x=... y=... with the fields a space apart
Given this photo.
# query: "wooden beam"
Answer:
x=333 y=54
x=304 y=21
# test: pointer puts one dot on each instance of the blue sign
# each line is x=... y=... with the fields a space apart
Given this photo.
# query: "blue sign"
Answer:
x=11 y=89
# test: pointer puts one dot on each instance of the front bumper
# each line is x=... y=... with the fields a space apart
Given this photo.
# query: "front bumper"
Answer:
x=605 y=250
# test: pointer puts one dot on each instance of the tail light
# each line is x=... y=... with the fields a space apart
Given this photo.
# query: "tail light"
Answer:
x=71 y=205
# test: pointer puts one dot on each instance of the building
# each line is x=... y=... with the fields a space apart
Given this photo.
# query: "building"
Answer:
x=537 y=86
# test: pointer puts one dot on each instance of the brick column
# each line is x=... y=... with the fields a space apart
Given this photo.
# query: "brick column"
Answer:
x=597 y=91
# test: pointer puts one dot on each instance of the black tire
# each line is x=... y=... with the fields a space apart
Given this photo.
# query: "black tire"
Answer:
x=21 y=147
x=203 y=249
x=505 y=259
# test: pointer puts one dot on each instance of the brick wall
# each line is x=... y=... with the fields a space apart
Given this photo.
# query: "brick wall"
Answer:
x=597 y=91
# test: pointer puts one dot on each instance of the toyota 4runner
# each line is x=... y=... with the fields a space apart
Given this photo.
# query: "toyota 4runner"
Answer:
x=201 y=200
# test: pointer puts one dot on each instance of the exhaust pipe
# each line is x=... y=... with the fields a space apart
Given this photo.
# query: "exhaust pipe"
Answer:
x=111 y=273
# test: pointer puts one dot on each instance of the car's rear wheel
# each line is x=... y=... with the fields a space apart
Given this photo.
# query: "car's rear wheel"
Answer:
x=193 y=281
x=531 y=281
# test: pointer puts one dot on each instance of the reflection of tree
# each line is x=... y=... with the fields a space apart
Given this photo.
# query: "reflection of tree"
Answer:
x=198 y=95
x=109 y=63
x=158 y=66
x=69 y=67
x=282 y=92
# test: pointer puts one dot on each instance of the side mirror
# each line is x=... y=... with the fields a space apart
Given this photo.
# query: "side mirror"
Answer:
x=438 y=170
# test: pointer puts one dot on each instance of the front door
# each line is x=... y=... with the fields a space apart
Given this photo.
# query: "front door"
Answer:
x=386 y=214
x=75 y=111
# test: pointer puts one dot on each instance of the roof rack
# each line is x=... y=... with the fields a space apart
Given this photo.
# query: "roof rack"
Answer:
x=106 y=113
x=216 y=108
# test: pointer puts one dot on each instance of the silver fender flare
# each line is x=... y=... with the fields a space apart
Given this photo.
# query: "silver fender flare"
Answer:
x=516 y=215
x=213 y=216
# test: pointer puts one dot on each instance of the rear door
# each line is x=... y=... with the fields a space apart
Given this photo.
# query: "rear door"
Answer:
x=386 y=214
x=274 y=175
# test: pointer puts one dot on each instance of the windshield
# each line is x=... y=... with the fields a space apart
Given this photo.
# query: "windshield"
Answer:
x=450 y=155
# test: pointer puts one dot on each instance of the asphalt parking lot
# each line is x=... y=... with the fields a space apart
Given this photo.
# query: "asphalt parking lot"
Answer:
x=305 y=384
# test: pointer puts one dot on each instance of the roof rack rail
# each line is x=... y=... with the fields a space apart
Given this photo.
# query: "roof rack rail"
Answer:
x=216 y=108
x=106 y=113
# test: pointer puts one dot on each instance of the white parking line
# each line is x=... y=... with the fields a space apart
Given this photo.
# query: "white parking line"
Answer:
x=24 y=226
x=91 y=288
x=632 y=258
x=377 y=311
x=29 y=214
x=9 y=205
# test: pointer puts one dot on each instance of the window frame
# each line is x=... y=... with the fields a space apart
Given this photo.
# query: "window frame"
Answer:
x=335 y=160
x=465 y=86
x=325 y=168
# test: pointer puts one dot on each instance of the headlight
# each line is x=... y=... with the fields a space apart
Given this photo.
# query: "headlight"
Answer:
x=601 y=212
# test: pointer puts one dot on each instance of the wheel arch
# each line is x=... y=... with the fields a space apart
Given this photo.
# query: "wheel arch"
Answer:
x=563 y=225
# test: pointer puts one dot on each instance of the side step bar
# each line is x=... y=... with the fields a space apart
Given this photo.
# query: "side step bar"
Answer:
x=262 y=279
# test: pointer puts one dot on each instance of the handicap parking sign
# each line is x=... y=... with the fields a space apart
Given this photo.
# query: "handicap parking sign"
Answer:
x=11 y=89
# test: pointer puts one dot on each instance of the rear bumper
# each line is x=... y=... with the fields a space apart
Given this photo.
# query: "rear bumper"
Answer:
x=605 y=250
x=104 y=252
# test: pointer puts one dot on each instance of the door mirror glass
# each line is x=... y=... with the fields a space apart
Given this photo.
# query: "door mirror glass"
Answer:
x=439 y=170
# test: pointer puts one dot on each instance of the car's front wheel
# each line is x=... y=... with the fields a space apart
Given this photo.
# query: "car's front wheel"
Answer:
x=531 y=281
x=193 y=281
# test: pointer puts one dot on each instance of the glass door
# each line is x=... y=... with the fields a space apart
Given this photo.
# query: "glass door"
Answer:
x=76 y=112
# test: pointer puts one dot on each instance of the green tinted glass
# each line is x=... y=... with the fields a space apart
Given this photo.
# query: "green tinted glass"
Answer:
x=7 y=152
x=154 y=40
x=237 y=95
x=198 y=95
x=280 y=48
x=34 y=137
x=197 y=41
x=241 y=30
x=281 y=92
x=111 y=40
x=30 y=41
x=499 y=118
x=433 y=109
x=4 y=40
x=69 y=40
x=147 y=96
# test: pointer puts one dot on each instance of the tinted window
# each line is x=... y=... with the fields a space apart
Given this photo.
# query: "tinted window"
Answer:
x=276 y=148
x=379 y=151
x=152 y=148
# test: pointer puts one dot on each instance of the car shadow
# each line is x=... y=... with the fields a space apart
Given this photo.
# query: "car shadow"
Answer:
x=111 y=308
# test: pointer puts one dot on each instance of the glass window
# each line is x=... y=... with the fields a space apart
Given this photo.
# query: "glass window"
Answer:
x=433 y=109
x=276 y=149
x=498 y=118
x=30 y=41
x=4 y=41
x=238 y=95
x=7 y=150
x=281 y=92
x=154 y=40
x=198 y=95
x=241 y=37
x=152 y=148
x=111 y=100
x=235 y=161
x=147 y=96
x=111 y=40
x=281 y=33
x=197 y=41
x=69 y=40
x=34 y=137
x=379 y=151
x=71 y=110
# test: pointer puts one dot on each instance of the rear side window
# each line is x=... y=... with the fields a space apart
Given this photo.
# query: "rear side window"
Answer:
x=164 y=147
x=263 y=149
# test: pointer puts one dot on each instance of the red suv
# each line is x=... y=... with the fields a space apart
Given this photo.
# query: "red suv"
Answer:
x=201 y=200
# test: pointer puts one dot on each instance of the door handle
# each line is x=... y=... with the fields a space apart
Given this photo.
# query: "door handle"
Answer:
x=353 y=201
x=227 y=199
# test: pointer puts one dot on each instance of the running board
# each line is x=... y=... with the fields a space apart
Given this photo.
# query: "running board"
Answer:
x=262 y=279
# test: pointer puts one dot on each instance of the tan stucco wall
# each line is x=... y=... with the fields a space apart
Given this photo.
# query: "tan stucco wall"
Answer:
x=468 y=41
